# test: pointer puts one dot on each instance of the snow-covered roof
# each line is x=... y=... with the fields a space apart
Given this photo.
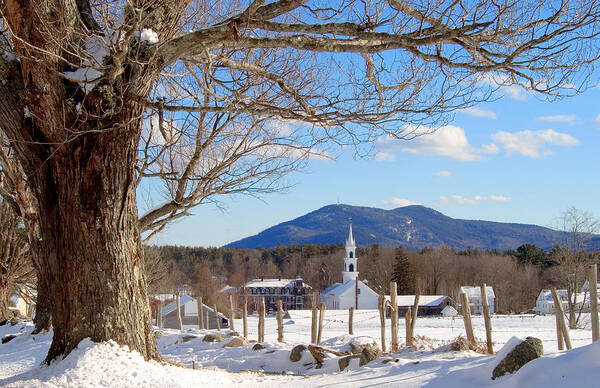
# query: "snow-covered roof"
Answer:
x=475 y=291
x=228 y=289
x=183 y=299
x=449 y=311
x=275 y=283
x=424 y=300
x=586 y=286
x=330 y=288
x=342 y=288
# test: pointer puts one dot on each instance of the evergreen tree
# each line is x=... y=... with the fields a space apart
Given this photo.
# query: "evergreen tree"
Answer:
x=404 y=273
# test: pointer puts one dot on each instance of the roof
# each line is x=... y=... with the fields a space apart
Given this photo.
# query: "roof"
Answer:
x=475 y=291
x=424 y=300
x=330 y=288
x=273 y=283
x=228 y=289
x=342 y=288
x=449 y=311
x=183 y=299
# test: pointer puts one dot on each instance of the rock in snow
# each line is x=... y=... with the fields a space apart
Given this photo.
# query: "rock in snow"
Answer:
x=525 y=351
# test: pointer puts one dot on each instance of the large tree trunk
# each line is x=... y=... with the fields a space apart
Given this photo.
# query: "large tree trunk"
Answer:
x=94 y=259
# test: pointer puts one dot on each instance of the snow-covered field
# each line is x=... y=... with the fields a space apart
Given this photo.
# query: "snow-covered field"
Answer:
x=110 y=365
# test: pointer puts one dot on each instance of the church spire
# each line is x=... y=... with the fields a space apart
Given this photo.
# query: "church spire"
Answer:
x=350 y=261
x=350 y=239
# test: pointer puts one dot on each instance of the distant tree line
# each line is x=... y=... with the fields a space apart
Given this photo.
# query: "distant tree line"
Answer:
x=517 y=276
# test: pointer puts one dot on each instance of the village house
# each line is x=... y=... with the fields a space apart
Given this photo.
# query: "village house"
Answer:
x=475 y=302
x=544 y=304
x=293 y=293
x=429 y=305
x=351 y=292
x=189 y=314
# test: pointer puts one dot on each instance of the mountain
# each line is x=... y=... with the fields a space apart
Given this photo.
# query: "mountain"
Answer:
x=413 y=227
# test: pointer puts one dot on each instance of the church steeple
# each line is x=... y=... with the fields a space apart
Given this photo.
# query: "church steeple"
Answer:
x=350 y=261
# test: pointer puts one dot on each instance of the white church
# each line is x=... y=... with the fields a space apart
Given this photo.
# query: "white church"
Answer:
x=351 y=292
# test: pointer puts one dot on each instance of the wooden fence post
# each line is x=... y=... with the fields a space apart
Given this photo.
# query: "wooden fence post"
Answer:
x=350 y=318
x=160 y=320
x=245 y=319
x=593 y=281
x=407 y=319
x=200 y=315
x=415 y=313
x=487 y=319
x=178 y=302
x=394 y=316
x=261 y=320
x=217 y=317
x=231 y=313
x=558 y=309
x=466 y=313
x=313 y=326
x=382 y=320
x=559 y=337
x=279 y=321
x=321 y=313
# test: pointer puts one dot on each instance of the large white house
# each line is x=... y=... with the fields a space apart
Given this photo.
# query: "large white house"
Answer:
x=474 y=294
x=351 y=292
x=544 y=303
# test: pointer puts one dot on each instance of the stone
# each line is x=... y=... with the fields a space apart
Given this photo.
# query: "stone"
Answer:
x=236 y=342
x=258 y=347
x=368 y=354
x=296 y=353
x=187 y=338
x=462 y=344
x=212 y=338
x=529 y=349
x=345 y=361
x=8 y=338
x=357 y=346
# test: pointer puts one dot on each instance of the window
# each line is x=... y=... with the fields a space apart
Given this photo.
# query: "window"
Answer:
x=351 y=268
x=351 y=255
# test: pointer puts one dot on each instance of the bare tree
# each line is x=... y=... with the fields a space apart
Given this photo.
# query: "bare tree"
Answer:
x=80 y=79
x=16 y=268
x=577 y=226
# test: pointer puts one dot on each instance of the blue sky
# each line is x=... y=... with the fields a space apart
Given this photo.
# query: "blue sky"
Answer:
x=518 y=159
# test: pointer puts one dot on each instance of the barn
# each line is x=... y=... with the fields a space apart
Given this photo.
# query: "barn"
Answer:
x=189 y=314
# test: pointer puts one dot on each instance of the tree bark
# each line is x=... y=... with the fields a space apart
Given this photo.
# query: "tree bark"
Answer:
x=4 y=312
x=43 y=306
x=94 y=259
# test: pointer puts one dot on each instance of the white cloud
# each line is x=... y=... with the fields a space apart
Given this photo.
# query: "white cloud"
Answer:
x=385 y=156
x=597 y=121
x=569 y=119
x=504 y=84
x=478 y=112
x=460 y=200
x=443 y=173
x=449 y=141
x=399 y=202
x=532 y=143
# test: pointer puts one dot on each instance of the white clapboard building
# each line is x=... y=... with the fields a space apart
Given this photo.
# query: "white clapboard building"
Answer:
x=351 y=292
